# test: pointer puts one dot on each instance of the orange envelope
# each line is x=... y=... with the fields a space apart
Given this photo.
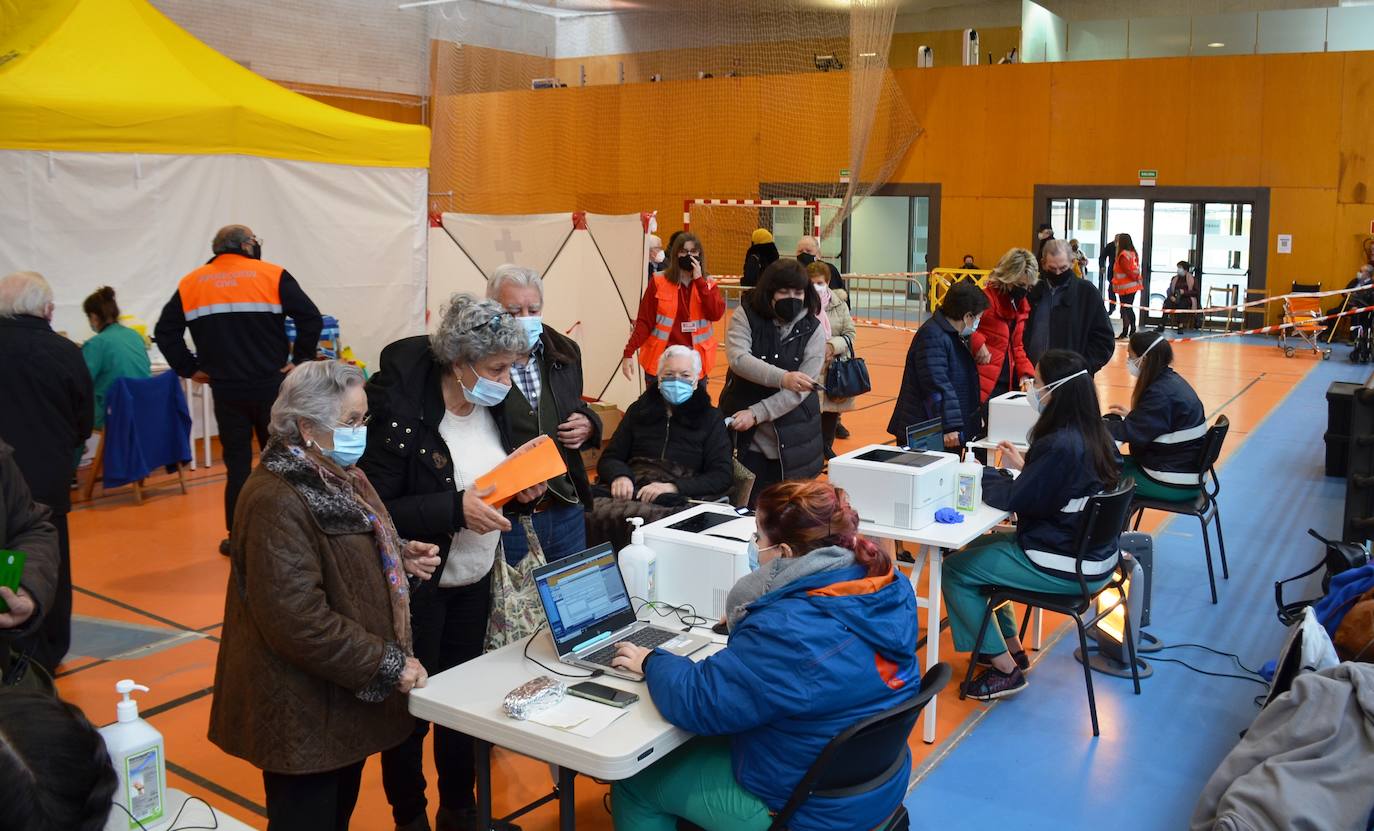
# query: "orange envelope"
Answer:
x=537 y=463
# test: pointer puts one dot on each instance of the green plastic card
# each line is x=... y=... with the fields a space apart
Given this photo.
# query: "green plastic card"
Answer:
x=11 y=569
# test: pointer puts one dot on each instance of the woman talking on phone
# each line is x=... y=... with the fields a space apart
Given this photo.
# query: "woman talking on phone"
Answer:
x=680 y=306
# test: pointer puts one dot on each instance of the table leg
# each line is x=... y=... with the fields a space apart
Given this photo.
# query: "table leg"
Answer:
x=482 y=752
x=1036 y=619
x=567 y=803
x=205 y=421
x=190 y=391
x=933 y=610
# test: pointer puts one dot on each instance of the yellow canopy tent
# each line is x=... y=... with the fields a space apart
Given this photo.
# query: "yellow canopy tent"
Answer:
x=125 y=143
x=116 y=76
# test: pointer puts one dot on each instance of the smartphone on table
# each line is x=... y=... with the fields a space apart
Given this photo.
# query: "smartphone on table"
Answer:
x=11 y=569
x=602 y=694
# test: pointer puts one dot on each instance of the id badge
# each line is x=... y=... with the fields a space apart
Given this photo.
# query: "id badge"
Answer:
x=689 y=326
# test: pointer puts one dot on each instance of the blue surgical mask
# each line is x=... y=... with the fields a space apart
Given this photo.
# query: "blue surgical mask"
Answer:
x=534 y=327
x=486 y=392
x=753 y=556
x=349 y=444
x=972 y=327
x=675 y=391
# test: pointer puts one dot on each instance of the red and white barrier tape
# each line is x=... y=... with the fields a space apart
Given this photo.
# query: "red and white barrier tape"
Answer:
x=1262 y=301
x=1277 y=327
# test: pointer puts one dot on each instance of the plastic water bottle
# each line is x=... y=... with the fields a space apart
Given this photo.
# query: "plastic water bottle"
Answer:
x=637 y=564
x=140 y=761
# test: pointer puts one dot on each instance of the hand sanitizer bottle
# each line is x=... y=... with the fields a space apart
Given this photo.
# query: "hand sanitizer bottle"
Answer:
x=968 y=485
x=137 y=752
x=637 y=564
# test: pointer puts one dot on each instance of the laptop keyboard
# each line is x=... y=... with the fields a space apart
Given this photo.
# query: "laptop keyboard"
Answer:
x=648 y=637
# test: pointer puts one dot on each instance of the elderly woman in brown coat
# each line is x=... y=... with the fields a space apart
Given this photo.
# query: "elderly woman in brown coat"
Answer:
x=316 y=656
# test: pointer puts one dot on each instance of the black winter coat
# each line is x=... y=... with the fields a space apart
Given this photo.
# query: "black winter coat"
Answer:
x=940 y=381
x=756 y=259
x=1077 y=321
x=408 y=461
x=694 y=436
x=49 y=406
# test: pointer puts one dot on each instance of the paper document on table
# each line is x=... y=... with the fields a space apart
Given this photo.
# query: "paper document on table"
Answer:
x=741 y=529
x=578 y=716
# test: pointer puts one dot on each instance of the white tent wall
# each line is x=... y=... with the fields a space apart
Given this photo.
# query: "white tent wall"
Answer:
x=354 y=237
x=592 y=280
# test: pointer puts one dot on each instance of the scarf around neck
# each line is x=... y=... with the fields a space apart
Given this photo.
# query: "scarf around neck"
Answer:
x=343 y=501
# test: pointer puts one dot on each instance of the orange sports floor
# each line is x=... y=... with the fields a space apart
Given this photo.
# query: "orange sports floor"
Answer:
x=157 y=565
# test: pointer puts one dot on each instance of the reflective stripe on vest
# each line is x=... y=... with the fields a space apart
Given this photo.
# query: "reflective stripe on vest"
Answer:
x=703 y=336
x=1180 y=436
x=1068 y=565
x=1187 y=480
x=231 y=284
x=1074 y=506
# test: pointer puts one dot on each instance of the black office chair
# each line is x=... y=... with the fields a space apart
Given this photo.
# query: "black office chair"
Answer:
x=1306 y=288
x=1103 y=519
x=862 y=757
x=1205 y=507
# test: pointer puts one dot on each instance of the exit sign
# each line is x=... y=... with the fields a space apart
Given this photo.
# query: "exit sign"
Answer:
x=844 y=176
x=1148 y=178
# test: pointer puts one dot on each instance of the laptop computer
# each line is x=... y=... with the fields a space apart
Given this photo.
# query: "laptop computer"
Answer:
x=926 y=435
x=588 y=609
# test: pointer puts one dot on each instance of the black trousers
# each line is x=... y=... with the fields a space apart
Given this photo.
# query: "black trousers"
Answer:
x=1127 y=313
x=448 y=627
x=766 y=472
x=312 y=801
x=829 y=423
x=238 y=422
x=49 y=643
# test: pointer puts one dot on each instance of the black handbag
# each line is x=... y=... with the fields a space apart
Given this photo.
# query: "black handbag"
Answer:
x=847 y=377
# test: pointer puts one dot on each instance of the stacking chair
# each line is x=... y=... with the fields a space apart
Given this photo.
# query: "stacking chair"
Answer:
x=1205 y=507
x=1103 y=520
x=862 y=757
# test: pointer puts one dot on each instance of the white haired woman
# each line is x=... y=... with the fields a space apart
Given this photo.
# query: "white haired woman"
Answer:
x=671 y=446
x=316 y=655
x=435 y=434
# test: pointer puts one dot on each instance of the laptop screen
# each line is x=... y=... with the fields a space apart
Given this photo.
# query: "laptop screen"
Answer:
x=928 y=435
x=583 y=596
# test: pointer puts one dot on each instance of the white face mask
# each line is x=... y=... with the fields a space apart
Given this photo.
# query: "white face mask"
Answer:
x=1133 y=364
x=659 y=256
x=1037 y=395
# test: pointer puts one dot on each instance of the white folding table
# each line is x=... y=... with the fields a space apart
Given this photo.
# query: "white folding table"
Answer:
x=932 y=542
x=468 y=699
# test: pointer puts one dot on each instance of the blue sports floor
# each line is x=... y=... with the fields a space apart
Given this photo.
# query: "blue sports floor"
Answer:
x=1031 y=761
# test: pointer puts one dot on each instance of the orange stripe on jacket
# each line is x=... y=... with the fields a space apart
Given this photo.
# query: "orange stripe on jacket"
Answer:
x=864 y=585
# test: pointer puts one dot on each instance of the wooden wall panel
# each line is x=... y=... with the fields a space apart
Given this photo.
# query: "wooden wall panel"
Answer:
x=1222 y=132
x=961 y=230
x=1356 y=165
x=949 y=106
x=1301 y=128
x=1085 y=144
x=1006 y=224
x=1309 y=214
x=1015 y=130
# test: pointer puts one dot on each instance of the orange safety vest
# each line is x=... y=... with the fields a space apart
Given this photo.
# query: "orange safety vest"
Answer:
x=1126 y=274
x=703 y=335
x=231 y=283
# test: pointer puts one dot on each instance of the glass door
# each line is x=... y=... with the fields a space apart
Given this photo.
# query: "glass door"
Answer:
x=1173 y=239
x=1225 y=255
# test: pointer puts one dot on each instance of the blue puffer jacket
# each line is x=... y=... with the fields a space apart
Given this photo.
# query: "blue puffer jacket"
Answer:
x=940 y=381
x=809 y=659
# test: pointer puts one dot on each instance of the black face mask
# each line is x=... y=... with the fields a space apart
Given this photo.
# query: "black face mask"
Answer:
x=1057 y=279
x=1017 y=294
x=684 y=262
x=252 y=250
x=787 y=308
x=805 y=259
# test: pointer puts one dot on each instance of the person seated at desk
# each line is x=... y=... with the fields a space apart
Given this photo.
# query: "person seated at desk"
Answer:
x=1165 y=424
x=822 y=635
x=670 y=447
x=115 y=352
x=941 y=379
x=1071 y=457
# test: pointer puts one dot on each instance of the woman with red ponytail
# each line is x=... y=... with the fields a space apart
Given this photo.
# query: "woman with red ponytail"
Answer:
x=822 y=634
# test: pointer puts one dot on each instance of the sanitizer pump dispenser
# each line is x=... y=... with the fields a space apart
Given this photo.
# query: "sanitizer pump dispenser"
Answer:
x=637 y=564
x=137 y=752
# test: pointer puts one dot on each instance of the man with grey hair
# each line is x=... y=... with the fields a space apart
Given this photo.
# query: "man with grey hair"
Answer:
x=46 y=417
x=546 y=399
x=1067 y=312
x=236 y=307
x=809 y=251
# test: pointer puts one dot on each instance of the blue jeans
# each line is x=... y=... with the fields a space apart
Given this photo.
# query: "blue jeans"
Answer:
x=562 y=531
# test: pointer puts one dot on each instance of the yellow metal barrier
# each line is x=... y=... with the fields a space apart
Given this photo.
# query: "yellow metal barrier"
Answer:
x=942 y=278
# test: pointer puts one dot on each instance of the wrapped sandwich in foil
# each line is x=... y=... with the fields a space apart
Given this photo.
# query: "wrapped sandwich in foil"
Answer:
x=533 y=696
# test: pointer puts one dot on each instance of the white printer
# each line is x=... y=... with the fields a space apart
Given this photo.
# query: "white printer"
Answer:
x=698 y=555
x=1010 y=418
x=901 y=488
